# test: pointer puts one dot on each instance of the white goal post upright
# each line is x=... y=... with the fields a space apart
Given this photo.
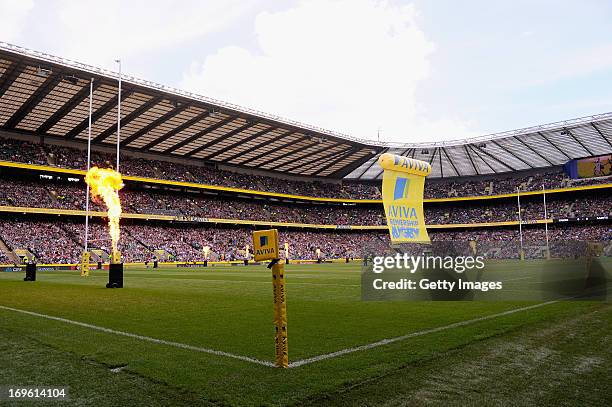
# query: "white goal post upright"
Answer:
x=85 y=260
x=118 y=114
x=520 y=219
x=546 y=222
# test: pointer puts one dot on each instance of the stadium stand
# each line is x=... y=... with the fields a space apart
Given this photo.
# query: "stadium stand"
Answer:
x=243 y=167
x=175 y=203
x=48 y=154
x=186 y=242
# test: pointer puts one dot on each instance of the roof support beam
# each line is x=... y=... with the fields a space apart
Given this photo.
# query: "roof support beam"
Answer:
x=286 y=144
x=579 y=142
x=275 y=139
x=433 y=155
x=372 y=164
x=483 y=160
x=160 y=120
x=239 y=142
x=343 y=172
x=299 y=161
x=382 y=170
x=554 y=145
x=67 y=107
x=200 y=134
x=127 y=119
x=217 y=140
x=310 y=165
x=102 y=110
x=177 y=130
x=334 y=161
x=38 y=95
x=450 y=161
x=465 y=146
x=9 y=76
x=408 y=150
x=512 y=154
x=367 y=168
x=601 y=134
x=493 y=157
x=379 y=173
x=534 y=151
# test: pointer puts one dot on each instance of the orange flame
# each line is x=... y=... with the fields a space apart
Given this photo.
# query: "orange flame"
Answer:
x=105 y=184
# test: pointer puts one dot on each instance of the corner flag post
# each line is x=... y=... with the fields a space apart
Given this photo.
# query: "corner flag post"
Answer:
x=266 y=247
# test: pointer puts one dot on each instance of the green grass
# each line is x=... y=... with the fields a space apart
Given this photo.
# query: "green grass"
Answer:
x=229 y=309
x=564 y=361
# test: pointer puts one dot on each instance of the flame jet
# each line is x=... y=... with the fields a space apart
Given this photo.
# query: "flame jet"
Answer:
x=105 y=184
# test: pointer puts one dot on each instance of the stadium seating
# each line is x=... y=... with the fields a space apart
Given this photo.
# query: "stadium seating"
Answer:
x=47 y=154
x=26 y=152
x=72 y=196
x=60 y=241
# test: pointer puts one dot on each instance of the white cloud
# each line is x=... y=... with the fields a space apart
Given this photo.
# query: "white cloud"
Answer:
x=98 y=32
x=348 y=65
x=13 y=13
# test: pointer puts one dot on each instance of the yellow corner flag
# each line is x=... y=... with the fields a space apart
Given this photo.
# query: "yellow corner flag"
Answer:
x=265 y=247
x=402 y=191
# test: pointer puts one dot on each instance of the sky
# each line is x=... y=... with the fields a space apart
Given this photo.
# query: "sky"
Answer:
x=401 y=71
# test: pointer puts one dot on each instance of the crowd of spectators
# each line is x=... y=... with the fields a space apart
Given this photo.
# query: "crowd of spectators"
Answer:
x=530 y=234
x=98 y=237
x=532 y=209
x=22 y=151
x=47 y=241
x=47 y=154
x=175 y=203
x=563 y=240
x=61 y=241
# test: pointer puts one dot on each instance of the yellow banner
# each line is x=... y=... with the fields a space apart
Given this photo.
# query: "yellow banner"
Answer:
x=402 y=191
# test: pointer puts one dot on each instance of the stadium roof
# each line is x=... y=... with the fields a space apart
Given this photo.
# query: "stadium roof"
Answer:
x=41 y=94
x=534 y=147
x=45 y=95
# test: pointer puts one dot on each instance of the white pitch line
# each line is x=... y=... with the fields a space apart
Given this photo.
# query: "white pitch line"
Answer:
x=297 y=363
x=382 y=342
x=143 y=338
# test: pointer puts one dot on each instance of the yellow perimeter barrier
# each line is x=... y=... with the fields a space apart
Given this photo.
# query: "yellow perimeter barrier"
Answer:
x=179 y=264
